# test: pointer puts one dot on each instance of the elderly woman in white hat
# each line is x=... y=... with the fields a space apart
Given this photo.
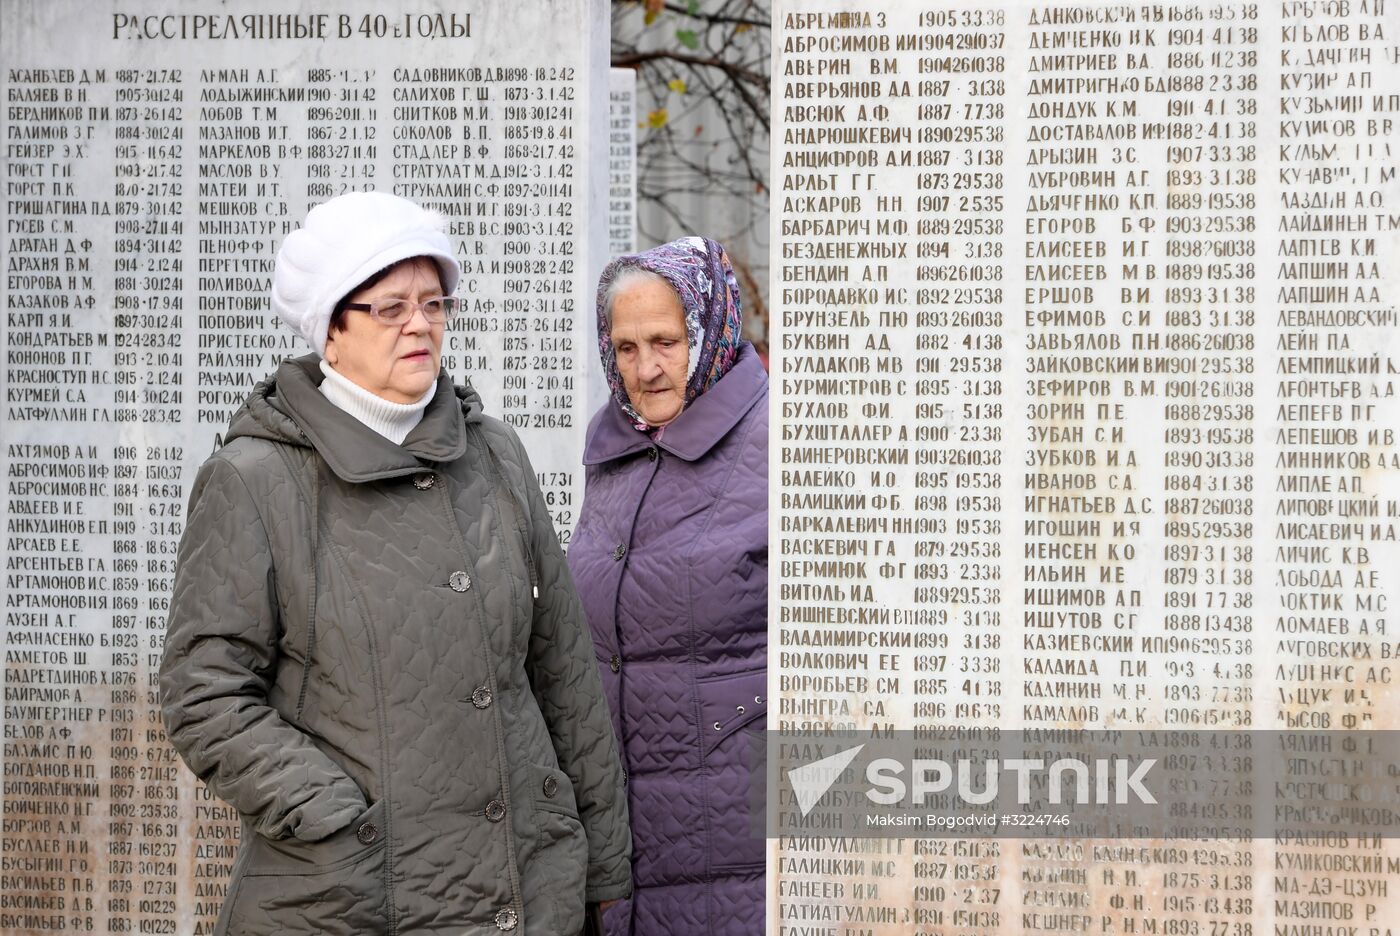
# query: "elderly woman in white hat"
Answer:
x=375 y=652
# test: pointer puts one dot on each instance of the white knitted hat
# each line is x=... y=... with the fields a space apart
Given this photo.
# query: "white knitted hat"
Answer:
x=344 y=242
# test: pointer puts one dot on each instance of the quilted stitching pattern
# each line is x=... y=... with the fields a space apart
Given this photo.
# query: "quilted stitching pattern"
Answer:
x=685 y=605
x=388 y=728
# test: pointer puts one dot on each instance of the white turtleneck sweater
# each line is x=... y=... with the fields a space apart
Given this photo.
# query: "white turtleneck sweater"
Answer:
x=393 y=421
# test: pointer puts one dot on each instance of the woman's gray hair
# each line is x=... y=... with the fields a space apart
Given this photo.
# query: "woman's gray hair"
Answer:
x=628 y=276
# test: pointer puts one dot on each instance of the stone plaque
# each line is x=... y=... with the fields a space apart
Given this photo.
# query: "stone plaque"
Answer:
x=1085 y=357
x=154 y=156
x=622 y=161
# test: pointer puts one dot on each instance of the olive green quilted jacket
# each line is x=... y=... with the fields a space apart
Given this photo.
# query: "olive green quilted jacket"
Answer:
x=357 y=661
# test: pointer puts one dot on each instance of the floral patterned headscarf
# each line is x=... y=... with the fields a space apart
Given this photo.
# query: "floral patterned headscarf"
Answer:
x=699 y=271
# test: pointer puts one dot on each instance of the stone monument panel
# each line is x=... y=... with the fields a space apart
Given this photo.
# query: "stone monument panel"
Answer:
x=1084 y=357
x=154 y=156
x=622 y=160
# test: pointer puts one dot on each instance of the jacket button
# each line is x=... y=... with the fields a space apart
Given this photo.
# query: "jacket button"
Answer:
x=424 y=481
x=615 y=664
x=367 y=833
x=495 y=810
x=481 y=696
x=505 y=919
x=652 y=453
x=459 y=581
x=551 y=786
x=619 y=552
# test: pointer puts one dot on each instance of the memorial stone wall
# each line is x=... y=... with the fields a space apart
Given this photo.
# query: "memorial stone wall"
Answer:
x=622 y=161
x=1083 y=349
x=622 y=207
x=1084 y=368
x=155 y=154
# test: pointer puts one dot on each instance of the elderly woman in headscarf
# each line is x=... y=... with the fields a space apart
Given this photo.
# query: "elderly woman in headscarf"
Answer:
x=375 y=651
x=671 y=557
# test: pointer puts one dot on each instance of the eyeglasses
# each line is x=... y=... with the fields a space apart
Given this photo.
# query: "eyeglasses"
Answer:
x=398 y=311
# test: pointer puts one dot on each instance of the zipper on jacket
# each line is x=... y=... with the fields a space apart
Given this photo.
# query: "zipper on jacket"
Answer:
x=315 y=550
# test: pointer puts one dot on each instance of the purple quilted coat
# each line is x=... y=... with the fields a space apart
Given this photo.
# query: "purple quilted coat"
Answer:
x=671 y=560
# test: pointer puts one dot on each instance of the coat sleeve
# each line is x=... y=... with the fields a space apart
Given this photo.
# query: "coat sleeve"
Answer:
x=564 y=675
x=220 y=654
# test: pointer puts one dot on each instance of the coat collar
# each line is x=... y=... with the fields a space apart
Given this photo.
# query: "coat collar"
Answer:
x=696 y=430
x=357 y=453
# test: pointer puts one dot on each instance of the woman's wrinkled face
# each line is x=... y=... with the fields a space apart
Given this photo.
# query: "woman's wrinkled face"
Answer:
x=648 y=334
x=399 y=362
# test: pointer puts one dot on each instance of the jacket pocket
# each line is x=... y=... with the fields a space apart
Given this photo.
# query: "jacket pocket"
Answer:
x=731 y=707
x=562 y=853
x=729 y=703
x=333 y=886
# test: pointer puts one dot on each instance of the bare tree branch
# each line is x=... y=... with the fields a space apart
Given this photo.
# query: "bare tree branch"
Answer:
x=703 y=89
x=636 y=59
x=718 y=17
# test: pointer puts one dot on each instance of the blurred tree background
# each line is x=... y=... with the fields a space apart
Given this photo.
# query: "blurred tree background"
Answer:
x=703 y=80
